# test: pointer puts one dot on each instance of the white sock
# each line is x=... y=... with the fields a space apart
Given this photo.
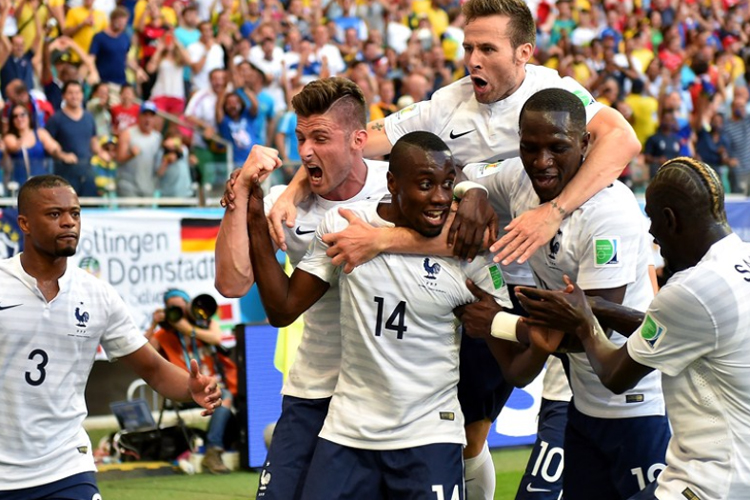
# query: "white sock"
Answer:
x=480 y=476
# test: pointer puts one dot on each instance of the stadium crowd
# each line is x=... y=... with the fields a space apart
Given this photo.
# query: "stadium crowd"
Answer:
x=223 y=72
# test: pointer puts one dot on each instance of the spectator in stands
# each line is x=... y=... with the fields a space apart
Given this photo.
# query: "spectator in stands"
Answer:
x=712 y=148
x=645 y=111
x=201 y=113
x=664 y=144
x=272 y=60
x=98 y=106
x=235 y=122
x=141 y=10
x=18 y=93
x=74 y=128
x=206 y=55
x=384 y=105
x=180 y=339
x=137 y=151
x=148 y=35
x=186 y=34
x=167 y=65
x=737 y=134
x=105 y=166
x=82 y=23
x=253 y=82
x=56 y=59
x=173 y=172
x=18 y=64
x=26 y=146
x=110 y=49
x=323 y=50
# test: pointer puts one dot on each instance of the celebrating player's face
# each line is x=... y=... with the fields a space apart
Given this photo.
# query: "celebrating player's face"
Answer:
x=53 y=223
x=495 y=67
x=326 y=151
x=422 y=193
x=550 y=151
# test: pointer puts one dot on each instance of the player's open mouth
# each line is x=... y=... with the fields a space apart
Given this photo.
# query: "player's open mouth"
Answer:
x=479 y=83
x=436 y=217
x=545 y=181
x=316 y=174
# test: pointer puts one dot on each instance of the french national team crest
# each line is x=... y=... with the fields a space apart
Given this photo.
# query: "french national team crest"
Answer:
x=82 y=317
x=432 y=269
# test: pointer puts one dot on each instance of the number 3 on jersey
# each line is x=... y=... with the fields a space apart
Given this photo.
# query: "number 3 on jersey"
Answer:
x=395 y=321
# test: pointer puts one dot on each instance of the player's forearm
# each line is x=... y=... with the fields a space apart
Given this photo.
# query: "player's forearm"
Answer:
x=298 y=188
x=623 y=320
x=164 y=377
x=234 y=271
x=273 y=283
x=613 y=146
x=605 y=358
x=520 y=364
x=407 y=241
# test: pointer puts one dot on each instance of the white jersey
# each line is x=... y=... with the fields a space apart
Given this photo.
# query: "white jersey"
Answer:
x=316 y=365
x=697 y=333
x=47 y=350
x=601 y=245
x=477 y=132
x=400 y=344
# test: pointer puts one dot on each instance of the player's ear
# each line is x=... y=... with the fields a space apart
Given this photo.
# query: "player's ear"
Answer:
x=359 y=139
x=585 y=141
x=23 y=224
x=524 y=53
x=391 y=183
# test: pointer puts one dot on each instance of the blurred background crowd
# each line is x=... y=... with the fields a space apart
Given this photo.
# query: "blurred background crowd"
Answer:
x=162 y=98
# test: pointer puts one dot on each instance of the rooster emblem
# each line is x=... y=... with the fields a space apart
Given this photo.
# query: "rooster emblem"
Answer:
x=554 y=246
x=82 y=317
x=432 y=270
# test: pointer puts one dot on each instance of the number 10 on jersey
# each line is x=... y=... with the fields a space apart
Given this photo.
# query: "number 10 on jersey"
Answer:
x=396 y=319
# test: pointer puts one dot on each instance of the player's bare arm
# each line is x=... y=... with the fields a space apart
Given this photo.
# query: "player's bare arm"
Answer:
x=234 y=272
x=474 y=221
x=378 y=143
x=613 y=145
x=521 y=361
x=284 y=298
x=613 y=365
x=173 y=382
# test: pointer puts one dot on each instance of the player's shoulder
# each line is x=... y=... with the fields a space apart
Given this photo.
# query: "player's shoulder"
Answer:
x=510 y=167
x=615 y=202
x=366 y=210
x=453 y=94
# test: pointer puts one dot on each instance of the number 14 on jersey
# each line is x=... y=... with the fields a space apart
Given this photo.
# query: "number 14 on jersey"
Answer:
x=396 y=320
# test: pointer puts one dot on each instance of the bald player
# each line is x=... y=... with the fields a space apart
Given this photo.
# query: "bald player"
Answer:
x=696 y=332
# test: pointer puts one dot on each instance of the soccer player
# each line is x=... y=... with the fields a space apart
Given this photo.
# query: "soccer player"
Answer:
x=610 y=441
x=331 y=133
x=52 y=319
x=394 y=427
x=695 y=332
x=477 y=117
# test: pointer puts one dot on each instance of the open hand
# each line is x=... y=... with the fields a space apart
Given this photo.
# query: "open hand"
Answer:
x=526 y=234
x=353 y=246
x=474 y=216
x=204 y=389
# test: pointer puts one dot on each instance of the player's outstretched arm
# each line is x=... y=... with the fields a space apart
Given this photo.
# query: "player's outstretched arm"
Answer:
x=614 y=366
x=284 y=298
x=613 y=145
x=520 y=360
x=284 y=211
x=173 y=382
x=360 y=242
x=234 y=272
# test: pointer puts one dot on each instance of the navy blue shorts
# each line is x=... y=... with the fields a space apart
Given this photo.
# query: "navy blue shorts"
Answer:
x=482 y=390
x=543 y=479
x=430 y=472
x=76 y=487
x=292 y=446
x=649 y=493
x=612 y=458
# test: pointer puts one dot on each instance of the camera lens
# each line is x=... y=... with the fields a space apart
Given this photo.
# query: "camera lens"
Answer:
x=173 y=314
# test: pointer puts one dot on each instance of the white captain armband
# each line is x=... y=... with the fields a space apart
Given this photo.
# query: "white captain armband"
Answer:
x=504 y=326
x=460 y=189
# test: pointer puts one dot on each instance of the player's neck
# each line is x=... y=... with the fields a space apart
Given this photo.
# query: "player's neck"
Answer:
x=352 y=185
x=42 y=267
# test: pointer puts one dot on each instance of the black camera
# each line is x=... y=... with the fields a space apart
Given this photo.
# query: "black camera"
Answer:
x=201 y=309
x=173 y=314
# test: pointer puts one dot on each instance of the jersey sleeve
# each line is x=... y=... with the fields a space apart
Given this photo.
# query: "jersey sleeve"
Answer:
x=315 y=261
x=501 y=180
x=488 y=276
x=677 y=330
x=122 y=336
x=609 y=248
x=412 y=118
x=591 y=105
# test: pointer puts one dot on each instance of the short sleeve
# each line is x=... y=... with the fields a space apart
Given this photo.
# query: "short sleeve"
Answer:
x=122 y=336
x=489 y=277
x=412 y=118
x=677 y=330
x=315 y=261
x=591 y=105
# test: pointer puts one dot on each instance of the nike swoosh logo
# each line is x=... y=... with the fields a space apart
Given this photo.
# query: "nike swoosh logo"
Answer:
x=531 y=489
x=456 y=136
x=300 y=232
x=3 y=308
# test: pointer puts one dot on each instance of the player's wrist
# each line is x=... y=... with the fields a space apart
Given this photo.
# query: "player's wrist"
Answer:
x=504 y=326
x=462 y=189
x=558 y=209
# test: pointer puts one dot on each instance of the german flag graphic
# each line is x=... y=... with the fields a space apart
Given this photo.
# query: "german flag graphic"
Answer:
x=199 y=235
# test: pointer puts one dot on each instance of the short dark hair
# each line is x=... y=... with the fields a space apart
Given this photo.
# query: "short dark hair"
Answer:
x=33 y=185
x=557 y=100
x=424 y=141
x=69 y=84
x=333 y=94
x=521 y=26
